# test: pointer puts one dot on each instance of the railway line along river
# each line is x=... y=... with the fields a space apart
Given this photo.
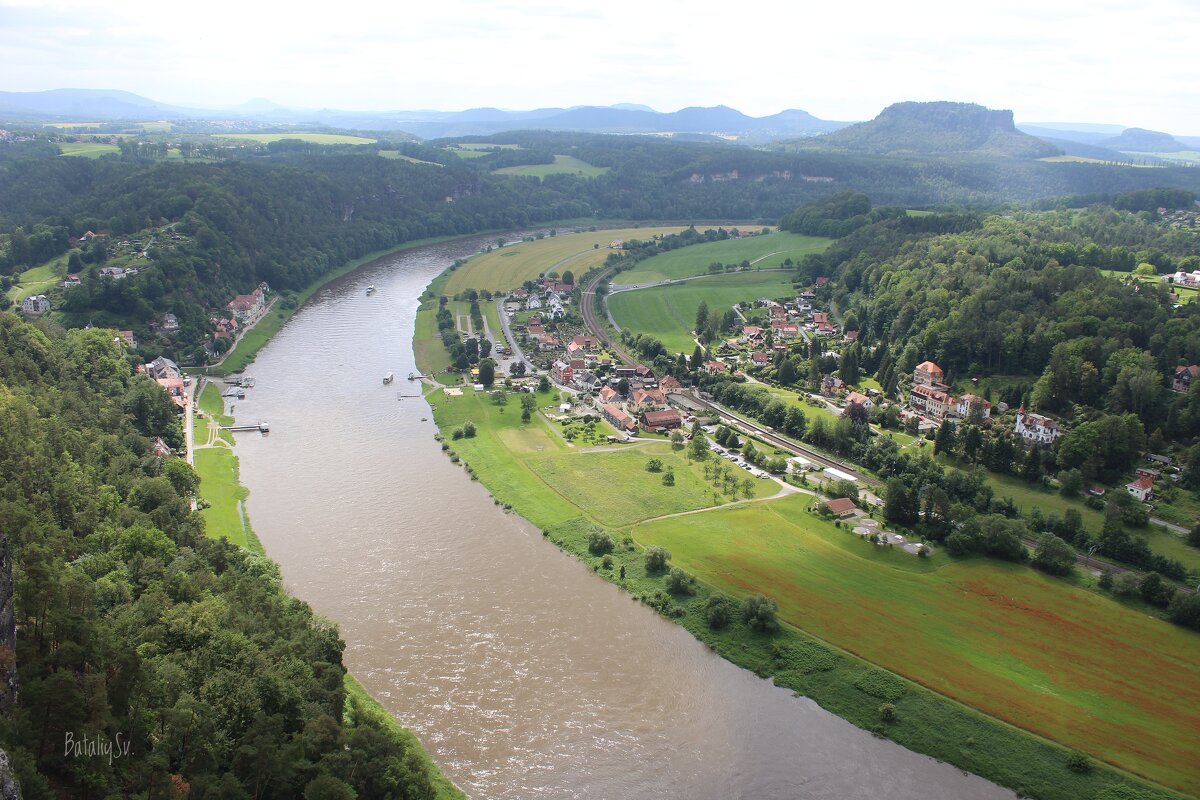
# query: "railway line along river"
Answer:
x=524 y=675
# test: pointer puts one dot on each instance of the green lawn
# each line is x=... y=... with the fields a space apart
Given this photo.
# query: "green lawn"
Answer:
x=1030 y=649
x=767 y=252
x=669 y=312
x=562 y=164
x=212 y=404
x=87 y=149
x=508 y=267
x=220 y=489
x=315 y=138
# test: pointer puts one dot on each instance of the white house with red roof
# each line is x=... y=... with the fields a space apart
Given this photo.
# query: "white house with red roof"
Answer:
x=1036 y=429
x=1141 y=488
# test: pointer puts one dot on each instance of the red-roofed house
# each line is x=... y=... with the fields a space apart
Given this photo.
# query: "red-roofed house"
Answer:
x=618 y=418
x=247 y=306
x=933 y=402
x=670 y=384
x=547 y=342
x=842 y=507
x=607 y=394
x=820 y=316
x=715 y=367
x=644 y=399
x=928 y=373
x=759 y=358
x=1035 y=428
x=822 y=280
x=1142 y=488
x=968 y=402
x=588 y=343
x=535 y=328
x=658 y=421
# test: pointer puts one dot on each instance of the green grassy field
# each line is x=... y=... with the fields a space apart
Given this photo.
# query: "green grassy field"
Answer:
x=1029 y=649
x=39 y=279
x=87 y=149
x=610 y=486
x=397 y=155
x=669 y=312
x=768 y=251
x=509 y=267
x=219 y=487
x=561 y=165
x=1183 y=156
x=315 y=138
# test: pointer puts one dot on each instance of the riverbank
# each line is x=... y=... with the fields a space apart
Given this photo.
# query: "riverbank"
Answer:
x=512 y=461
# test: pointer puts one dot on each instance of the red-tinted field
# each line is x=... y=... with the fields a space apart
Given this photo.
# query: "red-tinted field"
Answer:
x=1066 y=663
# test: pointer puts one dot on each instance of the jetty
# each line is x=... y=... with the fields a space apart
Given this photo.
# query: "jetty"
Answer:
x=245 y=381
x=415 y=376
x=261 y=427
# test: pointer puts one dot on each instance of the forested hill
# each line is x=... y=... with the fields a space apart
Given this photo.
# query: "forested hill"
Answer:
x=200 y=233
x=180 y=652
x=939 y=128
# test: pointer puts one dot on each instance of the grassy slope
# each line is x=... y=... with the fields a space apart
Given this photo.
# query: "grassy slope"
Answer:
x=397 y=155
x=562 y=164
x=500 y=455
x=1027 y=648
x=772 y=249
x=39 y=279
x=669 y=312
x=509 y=267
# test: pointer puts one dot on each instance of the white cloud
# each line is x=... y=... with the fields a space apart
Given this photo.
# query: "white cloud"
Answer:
x=1103 y=60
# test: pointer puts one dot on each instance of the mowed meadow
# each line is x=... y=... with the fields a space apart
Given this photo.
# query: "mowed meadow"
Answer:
x=1065 y=663
x=668 y=312
x=767 y=251
x=508 y=267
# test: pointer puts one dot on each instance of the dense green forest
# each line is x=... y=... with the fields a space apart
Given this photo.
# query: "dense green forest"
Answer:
x=180 y=654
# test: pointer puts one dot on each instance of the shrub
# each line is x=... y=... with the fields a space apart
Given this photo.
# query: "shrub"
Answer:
x=668 y=478
x=718 y=611
x=468 y=429
x=456 y=434
x=654 y=465
x=599 y=542
x=1078 y=762
x=758 y=612
x=657 y=558
x=887 y=713
x=679 y=582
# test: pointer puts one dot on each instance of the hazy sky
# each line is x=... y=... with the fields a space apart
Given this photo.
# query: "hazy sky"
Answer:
x=1111 y=61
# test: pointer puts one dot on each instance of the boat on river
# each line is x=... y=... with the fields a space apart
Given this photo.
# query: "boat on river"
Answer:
x=388 y=378
x=371 y=289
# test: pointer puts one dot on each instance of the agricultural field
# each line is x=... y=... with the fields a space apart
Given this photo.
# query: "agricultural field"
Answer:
x=87 y=149
x=397 y=155
x=478 y=149
x=508 y=267
x=669 y=312
x=1035 y=651
x=562 y=165
x=315 y=138
x=765 y=252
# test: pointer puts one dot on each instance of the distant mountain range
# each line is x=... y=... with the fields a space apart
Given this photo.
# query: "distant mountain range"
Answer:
x=91 y=105
x=939 y=128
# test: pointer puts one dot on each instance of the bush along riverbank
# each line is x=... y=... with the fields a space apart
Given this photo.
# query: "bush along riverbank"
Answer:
x=742 y=629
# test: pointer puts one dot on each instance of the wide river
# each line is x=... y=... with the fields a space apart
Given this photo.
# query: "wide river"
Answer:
x=524 y=674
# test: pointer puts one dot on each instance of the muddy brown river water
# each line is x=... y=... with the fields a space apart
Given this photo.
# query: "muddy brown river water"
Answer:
x=525 y=675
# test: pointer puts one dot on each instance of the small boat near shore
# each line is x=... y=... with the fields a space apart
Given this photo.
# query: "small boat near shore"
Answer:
x=388 y=378
x=371 y=289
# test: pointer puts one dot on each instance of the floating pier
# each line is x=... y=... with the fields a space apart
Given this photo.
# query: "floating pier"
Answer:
x=261 y=427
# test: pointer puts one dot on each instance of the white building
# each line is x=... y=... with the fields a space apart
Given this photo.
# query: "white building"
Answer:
x=1036 y=429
